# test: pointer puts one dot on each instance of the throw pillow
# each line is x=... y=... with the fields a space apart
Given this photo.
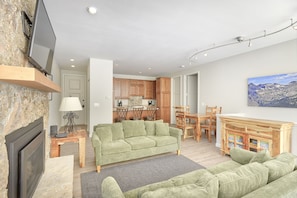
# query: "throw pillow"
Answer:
x=117 y=131
x=261 y=157
x=283 y=164
x=133 y=128
x=162 y=129
x=104 y=134
x=150 y=127
x=241 y=156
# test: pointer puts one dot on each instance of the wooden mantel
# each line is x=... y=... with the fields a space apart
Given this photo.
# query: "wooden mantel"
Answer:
x=27 y=77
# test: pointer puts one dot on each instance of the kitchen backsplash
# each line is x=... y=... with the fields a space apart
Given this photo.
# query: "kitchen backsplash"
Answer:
x=134 y=101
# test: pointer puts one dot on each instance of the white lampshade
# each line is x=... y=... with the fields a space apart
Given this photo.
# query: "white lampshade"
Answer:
x=70 y=104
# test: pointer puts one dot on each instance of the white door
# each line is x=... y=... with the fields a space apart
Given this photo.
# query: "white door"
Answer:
x=74 y=85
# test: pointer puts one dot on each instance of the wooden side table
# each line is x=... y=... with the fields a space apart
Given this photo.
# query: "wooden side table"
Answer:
x=77 y=137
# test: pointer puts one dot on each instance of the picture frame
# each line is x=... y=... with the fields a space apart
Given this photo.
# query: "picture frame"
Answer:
x=278 y=90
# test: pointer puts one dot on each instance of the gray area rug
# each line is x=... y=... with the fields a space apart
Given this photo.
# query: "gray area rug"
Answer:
x=136 y=174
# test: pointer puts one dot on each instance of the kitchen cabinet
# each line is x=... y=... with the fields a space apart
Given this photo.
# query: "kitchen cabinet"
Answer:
x=121 y=88
x=136 y=88
x=124 y=88
x=150 y=89
x=163 y=97
x=255 y=135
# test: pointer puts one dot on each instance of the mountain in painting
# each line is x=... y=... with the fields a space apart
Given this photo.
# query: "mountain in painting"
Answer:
x=273 y=95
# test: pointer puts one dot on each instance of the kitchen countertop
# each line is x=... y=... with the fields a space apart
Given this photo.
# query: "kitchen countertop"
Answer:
x=131 y=107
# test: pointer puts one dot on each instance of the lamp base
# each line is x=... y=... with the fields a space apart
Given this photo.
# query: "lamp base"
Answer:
x=69 y=127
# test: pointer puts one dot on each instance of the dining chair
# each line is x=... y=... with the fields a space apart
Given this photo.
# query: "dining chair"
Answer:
x=151 y=112
x=210 y=124
x=137 y=113
x=183 y=123
x=122 y=113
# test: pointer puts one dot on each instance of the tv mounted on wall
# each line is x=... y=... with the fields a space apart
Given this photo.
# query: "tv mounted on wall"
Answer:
x=42 y=39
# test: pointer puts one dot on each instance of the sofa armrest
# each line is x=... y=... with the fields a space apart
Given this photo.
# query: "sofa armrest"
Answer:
x=175 y=132
x=111 y=189
x=96 y=140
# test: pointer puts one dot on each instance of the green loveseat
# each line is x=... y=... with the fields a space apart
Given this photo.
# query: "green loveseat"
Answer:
x=247 y=175
x=132 y=139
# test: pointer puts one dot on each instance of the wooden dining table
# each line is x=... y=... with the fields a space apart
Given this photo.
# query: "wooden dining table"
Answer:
x=197 y=118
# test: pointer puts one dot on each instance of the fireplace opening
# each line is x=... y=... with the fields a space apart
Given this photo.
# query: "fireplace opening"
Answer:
x=26 y=155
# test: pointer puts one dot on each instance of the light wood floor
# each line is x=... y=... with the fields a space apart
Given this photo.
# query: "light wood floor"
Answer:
x=203 y=152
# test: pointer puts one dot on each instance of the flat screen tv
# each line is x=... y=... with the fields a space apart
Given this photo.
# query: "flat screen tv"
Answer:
x=42 y=40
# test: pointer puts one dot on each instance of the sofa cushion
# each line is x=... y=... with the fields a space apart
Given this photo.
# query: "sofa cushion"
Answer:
x=283 y=164
x=133 y=128
x=117 y=131
x=163 y=140
x=104 y=133
x=198 y=183
x=162 y=129
x=116 y=128
x=223 y=166
x=150 y=126
x=140 y=142
x=114 y=147
x=111 y=189
x=285 y=186
x=189 y=191
x=242 y=180
x=241 y=156
x=261 y=157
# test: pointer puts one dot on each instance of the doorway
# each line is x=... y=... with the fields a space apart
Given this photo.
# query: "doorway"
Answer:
x=74 y=85
x=185 y=91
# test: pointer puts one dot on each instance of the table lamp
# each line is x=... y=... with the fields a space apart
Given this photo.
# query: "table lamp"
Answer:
x=70 y=104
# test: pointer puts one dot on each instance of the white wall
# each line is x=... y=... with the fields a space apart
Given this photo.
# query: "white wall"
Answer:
x=54 y=103
x=100 y=91
x=224 y=82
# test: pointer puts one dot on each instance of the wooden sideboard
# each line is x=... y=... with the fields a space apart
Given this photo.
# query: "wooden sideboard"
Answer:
x=255 y=135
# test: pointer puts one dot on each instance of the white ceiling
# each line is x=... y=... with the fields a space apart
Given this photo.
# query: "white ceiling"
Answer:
x=163 y=34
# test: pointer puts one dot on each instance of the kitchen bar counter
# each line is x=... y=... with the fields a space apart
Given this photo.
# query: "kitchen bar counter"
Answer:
x=130 y=113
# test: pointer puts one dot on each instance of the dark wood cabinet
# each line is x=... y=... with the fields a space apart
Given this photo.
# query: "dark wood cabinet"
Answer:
x=163 y=97
x=121 y=88
x=150 y=89
x=136 y=88
x=124 y=88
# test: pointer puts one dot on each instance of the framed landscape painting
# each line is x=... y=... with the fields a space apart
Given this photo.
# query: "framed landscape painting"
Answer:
x=273 y=91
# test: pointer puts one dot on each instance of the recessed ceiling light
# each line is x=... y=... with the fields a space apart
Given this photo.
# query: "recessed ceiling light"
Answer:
x=72 y=65
x=71 y=59
x=182 y=66
x=92 y=10
x=205 y=54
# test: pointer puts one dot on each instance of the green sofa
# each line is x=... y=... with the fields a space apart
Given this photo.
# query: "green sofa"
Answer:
x=132 y=139
x=247 y=175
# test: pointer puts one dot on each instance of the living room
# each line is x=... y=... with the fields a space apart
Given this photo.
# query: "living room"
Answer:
x=228 y=88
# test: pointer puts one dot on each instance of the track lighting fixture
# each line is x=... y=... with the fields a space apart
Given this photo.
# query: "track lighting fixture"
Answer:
x=239 y=39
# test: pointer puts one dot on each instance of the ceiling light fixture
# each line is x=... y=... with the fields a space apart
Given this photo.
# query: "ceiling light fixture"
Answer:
x=72 y=66
x=71 y=59
x=239 y=39
x=92 y=10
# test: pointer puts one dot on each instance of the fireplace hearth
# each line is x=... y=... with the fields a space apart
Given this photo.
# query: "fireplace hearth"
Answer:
x=26 y=155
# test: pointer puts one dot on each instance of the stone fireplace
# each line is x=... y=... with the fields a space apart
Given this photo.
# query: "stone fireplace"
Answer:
x=26 y=154
x=19 y=106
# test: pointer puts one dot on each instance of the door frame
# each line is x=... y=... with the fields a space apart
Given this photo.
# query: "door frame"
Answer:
x=74 y=73
x=183 y=91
